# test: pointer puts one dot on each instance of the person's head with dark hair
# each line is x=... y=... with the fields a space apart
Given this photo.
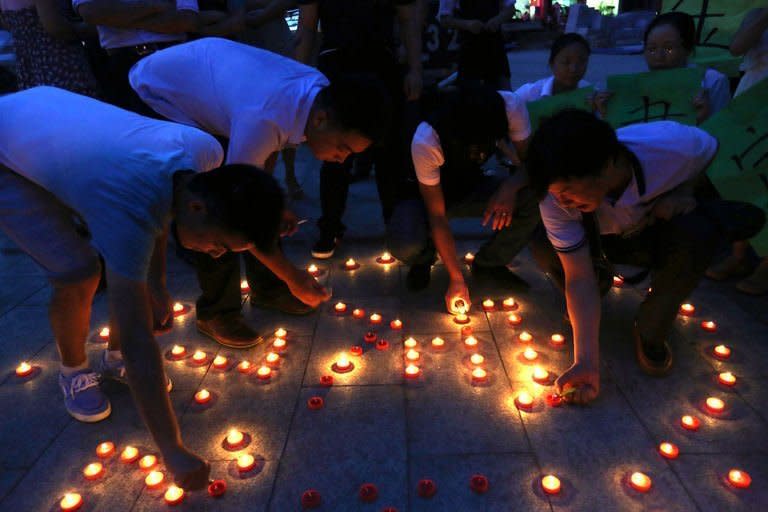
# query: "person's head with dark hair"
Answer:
x=469 y=119
x=568 y=60
x=669 y=41
x=573 y=155
x=231 y=208
x=347 y=116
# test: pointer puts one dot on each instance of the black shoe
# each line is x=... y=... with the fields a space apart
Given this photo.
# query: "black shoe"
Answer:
x=283 y=302
x=325 y=247
x=500 y=276
x=230 y=330
x=418 y=277
x=654 y=359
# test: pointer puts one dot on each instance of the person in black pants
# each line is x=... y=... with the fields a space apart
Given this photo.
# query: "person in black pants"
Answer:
x=358 y=39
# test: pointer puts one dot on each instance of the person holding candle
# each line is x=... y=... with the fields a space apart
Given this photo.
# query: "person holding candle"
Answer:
x=461 y=131
x=79 y=178
x=626 y=197
x=260 y=102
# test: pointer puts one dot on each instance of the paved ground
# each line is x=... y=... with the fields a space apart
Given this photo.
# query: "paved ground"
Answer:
x=376 y=426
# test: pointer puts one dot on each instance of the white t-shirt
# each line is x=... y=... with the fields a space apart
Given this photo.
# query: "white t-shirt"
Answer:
x=719 y=89
x=111 y=37
x=113 y=167
x=427 y=153
x=669 y=153
x=258 y=99
x=541 y=88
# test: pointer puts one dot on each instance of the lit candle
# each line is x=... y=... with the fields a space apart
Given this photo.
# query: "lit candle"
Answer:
x=71 y=501
x=479 y=375
x=105 y=449
x=129 y=454
x=618 y=281
x=461 y=319
x=272 y=359
x=147 y=462
x=669 y=450
x=640 y=482
x=514 y=319
x=244 y=288
x=351 y=264
x=178 y=351
x=234 y=439
x=342 y=364
x=739 y=478
x=220 y=362
x=93 y=470
x=709 y=326
x=469 y=258
x=313 y=270
x=557 y=339
x=104 y=333
x=264 y=372
x=726 y=379
x=358 y=313
x=279 y=344
x=154 y=478
x=385 y=258
x=24 y=369
x=410 y=343
x=375 y=318
x=438 y=342
x=540 y=375
x=690 y=422
x=245 y=462
x=529 y=354
x=396 y=324
x=179 y=309
x=244 y=367
x=281 y=333
x=174 y=495
x=509 y=304
x=524 y=401
x=412 y=371
x=550 y=484
x=525 y=337
x=470 y=342
x=466 y=331
x=715 y=405
x=203 y=396
x=412 y=355
x=340 y=307
x=722 y=352
x=476 y=359
x=489 y=305
x=687 y=309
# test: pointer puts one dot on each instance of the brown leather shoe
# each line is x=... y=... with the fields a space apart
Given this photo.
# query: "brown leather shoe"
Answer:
x=230 y=330
x=654 y=361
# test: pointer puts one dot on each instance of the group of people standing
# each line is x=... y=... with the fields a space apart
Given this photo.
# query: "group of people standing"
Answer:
x=189 y=142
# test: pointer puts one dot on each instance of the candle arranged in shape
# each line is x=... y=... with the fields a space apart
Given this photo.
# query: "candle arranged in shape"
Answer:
x=203 y=396
x=129 y=455
x=264 y=372
x=410 y=343
x=715 y=405
x=525 y=337
x=279 y=344
x=690 y=422
x=739 y=478
x=244 y=288
x=476 y=359
x=470 y=342
x=438 y=342
x=550 y=484
x=726 y=379
x=669 y=450
x=340 y=307
x=687 y=309
x=489 y=305
x=709 y=326
x=178 y=351
x=105 y=449
x=722 y=352
x=514 y=319
x=154 y=479
x=220 y=362
x=412 y=371
x=479 y=375
x=245 y=462
x=93 y=470
x=234 y=439
x=640 y=482
x=351 y=264
x=509 y=304
x=529 y=354
x=148 y=462
x=524 y=401
x=412 y=355
x=24 y=369
x=173 y=495
x=557 y=339
x=342 y=364
x=104 y=333
x=385 y=259
x=71 y=502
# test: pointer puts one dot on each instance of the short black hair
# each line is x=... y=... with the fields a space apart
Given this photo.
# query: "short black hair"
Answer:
x=242 y=199
x=357 y=103
x=571 y=144
x=566 y=40
x=682 y=22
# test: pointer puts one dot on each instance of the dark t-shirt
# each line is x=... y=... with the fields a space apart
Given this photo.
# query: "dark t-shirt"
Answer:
x=357 y=23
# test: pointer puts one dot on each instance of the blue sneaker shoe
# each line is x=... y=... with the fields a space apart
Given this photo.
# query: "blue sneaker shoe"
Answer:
x=83 y=397
x=115 y=370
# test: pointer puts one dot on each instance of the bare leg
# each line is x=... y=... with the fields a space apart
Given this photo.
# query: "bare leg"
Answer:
x=70 y=316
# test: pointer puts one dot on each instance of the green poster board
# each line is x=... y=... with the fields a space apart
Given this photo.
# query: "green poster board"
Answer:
x=654 y=96
x=546 y=107
x=740 y=169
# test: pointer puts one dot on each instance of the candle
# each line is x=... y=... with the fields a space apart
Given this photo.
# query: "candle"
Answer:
x=524 y=401
x=470 y=342
x=412 y=355
x=129 y=455
x=154 y=478
x=235 y=439
x=412 y=371
x=174 y=495
x=178 y=351
x=461 y=319
x=410 y=343
x=279 y=344
x=313 y=270
x=525 y=337
x=721 y=352
x=356 y=350
x=244 y=367
x=203 y=396
x=179 y=309
x=244 y=288
x=469 y=258
x=479 y=375
x=739 y=478
x=488 y=305
x=340 y=307
x=509 y=304
x=476 y=359
x=264 y=372
x=220 y=362
x=514 y=319
x=351 y=264
x=550 y=484
x=529 y=354
x=104 y=333
x=691 y=423
x=245 y=462
x=369 y=337
x=281 y=333
x=358 y=313
x=715 y=405
x=669 y=450
x=342 y=364
x=466 y=330
x=147 y=462
x=618 y=281
x=93 y=470
x=640 y=482
x=709 y=326
x=217 y=488
x=71 y=501
x=315 y=403
x=726 y=379
x=326 y=380
x=382 y=345
x=272 y=359
x=557 y=340
x=540 y=375
x=396 y=324
x=385 y=258
x=24 y=369
x=105 y=449
x=375 y=318
x=438 y=342
x=687 y=309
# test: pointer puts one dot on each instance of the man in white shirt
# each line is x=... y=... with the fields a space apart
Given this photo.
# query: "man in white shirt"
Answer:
x=79 y=178
x=260 y=102
x=628 y=194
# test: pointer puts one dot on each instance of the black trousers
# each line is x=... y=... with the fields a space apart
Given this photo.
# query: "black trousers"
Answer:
x=117 y=87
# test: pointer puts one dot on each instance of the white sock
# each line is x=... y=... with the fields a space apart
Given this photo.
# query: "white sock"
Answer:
x=114 y=355
x=69 y=370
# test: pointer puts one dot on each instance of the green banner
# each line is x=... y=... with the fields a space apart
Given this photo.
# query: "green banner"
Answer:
x=546 y=107
x=740 y=169
x=654 y=96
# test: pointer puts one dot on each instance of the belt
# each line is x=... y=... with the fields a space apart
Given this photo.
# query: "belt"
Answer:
x=141 y=49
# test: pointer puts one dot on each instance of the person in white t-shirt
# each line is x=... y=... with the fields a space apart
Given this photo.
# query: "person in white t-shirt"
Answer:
x=626 y=196
x=79 y=178
x=261 y=102
x=460 y=133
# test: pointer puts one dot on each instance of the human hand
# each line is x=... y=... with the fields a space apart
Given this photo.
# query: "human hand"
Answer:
x=290 y=223
x=412 y=85
x=671 y=205
x=474 y=26
x=599 y=102
x=306 y=288
x=500 y=207
x=583 y=379
x=162 y=309
x=702 y=105
x=189 y=471
x=457 y=289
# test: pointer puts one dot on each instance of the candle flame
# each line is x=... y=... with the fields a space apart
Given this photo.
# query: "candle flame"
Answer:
x=173 y=493
x=154 y=478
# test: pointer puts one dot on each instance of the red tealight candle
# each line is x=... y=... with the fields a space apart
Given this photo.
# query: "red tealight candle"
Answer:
x=179 y=309
x=438 y=342
x=525 y=337
x=244 y=287
x=489 y=305
x=129 y=454
x=245 y=462
x=640 y=482
x=687 y=309
x=412 y=371
x=385 y=259
x=669 y=450
x=220 y=362
x=726 y=379
x=529 y=354
x=618 y=281
x=469 y=258
x=264 y=373
x=279 y=344
x=524 y=401
x=382 y=345
x=340 y=308
x=477 y=359
x=369 y=337
x=461 y=319
x=356 y=350
x=342 y=365
x=203 y=396
x=173 y=495
x=396 y=324
x=272 y=359
x=691 y=423
x=244 y=367
x=313 y=270
x=410 y=343
x=514 y=319
x=199 y=357
x=470 y=342
x=24 y=369
x=709 y=326
x=154 y=479
x=715 y=405
x=739 y=478
x=375 y=318
x=105 y=449
x=509 y=304
x=178 y=351
x=104 y=333
x=93 y=471
x=557 y=340
x=358 y=313
x=540 y=375
x=281 y=333
x=550 y=484
x=479 y=375
x=235 y=439
x=412 y=355
x=351 y=264
x=721 y=352
x=71 y=502
x=147 y=462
